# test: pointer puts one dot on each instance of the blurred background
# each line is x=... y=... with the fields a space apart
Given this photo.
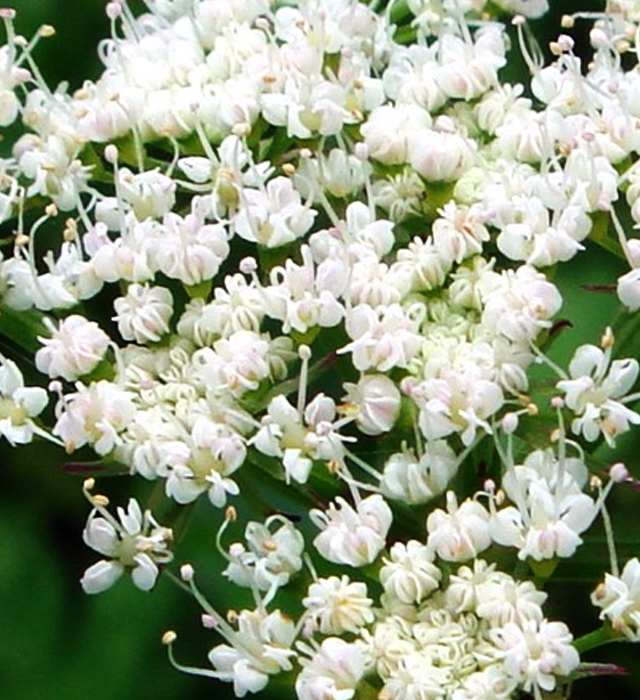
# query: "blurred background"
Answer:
x=56 y=642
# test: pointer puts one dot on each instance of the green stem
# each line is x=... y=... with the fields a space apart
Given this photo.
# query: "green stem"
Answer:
x=594 y=639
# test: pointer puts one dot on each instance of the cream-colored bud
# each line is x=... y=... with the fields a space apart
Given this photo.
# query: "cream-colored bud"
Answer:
x=169 y=637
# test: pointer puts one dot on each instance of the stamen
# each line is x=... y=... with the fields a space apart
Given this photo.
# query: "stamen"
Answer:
x=608 y=530
x=168 y=638
x=528 y=45
x=304 y=353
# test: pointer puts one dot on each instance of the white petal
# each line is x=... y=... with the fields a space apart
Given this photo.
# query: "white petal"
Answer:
x=100 y=576
x=145 y=573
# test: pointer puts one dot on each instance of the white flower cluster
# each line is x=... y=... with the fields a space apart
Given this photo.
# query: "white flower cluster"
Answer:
x=319 y=258
x=479 y=633
x=481 y=636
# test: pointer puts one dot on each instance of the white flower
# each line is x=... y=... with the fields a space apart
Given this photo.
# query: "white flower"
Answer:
x=596 y=393
x=187 y=249
x=298 y=297
x=300 y=439
x=75 y=348
x=415 y=480
x=459 y=232
x=125 y=258
x=518 y=304
x=237 y=306
x=417 y=678
x=339 y=605
x=136 y=543
x=365 y=233
x=95 y=415
x=382 y=338
x=388 y=130
x=274 y=216
x=492 y=683
x=352 y=536
x=18 y=404
x=629 y=288
x=460 y=400
x=551 y=510
x=460 y=533
x=409 y=573
x=333 y=672
x=217 y=451
x=143 y=314
x=376 y=401
x=274 y=554
x=235 y=364
x=261 y=647
x=150 y=194
x=339 y=173
x=460 y=595
x=424 y=263
x=439 y=156
x=619 y=600
x=535 y=652
x=17 y=283
x=500 y=599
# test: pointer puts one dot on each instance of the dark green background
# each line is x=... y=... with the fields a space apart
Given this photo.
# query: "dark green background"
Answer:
x=57 y=643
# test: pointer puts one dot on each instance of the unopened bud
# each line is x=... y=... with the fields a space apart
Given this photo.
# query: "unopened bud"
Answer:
x=509 y=422
x=113 y=10
x=209 y=621
x=565 y=42
x=599 y=38
x=304 y=353
x=618 y=472
x=111 y=154
x=248 y=265
x=186 y=572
